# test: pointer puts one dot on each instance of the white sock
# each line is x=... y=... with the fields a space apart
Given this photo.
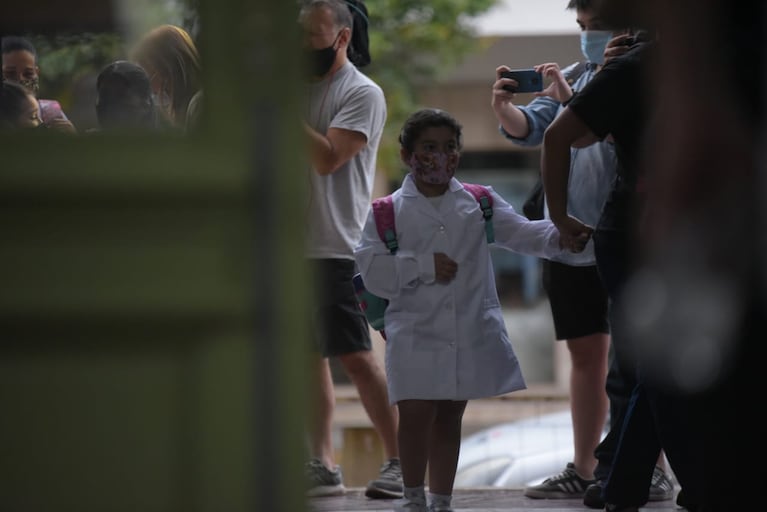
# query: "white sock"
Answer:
x=440 y=500
x=415 y=494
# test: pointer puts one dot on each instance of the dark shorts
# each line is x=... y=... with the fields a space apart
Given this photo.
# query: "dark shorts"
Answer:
x=338 y=324
x=577 y=298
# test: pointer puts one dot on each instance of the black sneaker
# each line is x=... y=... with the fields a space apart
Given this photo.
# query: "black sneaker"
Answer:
x=566 y=484
x=661 y=489
x=592 y=498
x=388 y=485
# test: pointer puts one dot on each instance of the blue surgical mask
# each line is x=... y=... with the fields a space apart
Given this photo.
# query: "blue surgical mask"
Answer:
x=593 y=44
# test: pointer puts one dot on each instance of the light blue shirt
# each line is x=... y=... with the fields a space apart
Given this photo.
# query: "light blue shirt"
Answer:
x=592 y=169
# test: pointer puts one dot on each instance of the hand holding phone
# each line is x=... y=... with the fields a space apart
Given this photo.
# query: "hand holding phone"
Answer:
x=528 y=80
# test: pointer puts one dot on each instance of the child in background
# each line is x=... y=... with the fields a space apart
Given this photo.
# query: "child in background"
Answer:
x=446 y=338
x=18 y=107
x=19 y=58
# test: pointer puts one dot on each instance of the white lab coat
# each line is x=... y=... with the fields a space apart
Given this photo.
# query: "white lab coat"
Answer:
x=447 y=341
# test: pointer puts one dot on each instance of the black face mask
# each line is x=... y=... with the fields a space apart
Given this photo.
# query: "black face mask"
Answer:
x=320 y=61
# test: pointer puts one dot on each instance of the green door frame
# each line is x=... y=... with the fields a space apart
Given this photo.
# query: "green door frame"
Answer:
x=151 y=358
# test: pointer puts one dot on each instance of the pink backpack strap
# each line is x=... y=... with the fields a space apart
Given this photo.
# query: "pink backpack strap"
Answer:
x=485 y=200
x=383 y=213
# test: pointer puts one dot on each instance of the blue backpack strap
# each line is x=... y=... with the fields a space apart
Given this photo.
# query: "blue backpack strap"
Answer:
x=383 y=213
x=485 y=200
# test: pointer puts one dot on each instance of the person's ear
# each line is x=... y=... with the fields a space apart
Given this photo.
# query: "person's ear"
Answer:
x=345 y=37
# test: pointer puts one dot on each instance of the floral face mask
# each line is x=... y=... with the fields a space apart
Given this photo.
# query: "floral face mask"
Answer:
x=434 y=167
x=31 y=84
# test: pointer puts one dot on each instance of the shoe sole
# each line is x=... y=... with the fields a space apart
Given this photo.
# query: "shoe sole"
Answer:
x=552 y=495
x=661 y=497
x=326 y=490
x=597 y=503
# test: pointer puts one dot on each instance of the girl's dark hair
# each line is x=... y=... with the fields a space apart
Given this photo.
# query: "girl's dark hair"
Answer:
x=12 y=102
x=16 y=43
x=427 y=118
x=124 y=96
x=581 y=5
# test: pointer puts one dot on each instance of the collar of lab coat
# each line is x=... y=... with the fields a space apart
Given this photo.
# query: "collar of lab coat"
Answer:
x=422 y=204
x=409 y=189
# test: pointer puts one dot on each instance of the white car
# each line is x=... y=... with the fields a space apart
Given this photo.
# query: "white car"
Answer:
x=516 y=454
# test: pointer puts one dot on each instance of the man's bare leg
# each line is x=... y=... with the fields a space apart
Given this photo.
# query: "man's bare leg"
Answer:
x=369 y=379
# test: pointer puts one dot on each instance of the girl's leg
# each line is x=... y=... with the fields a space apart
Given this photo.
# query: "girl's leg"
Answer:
x=445 y=445
x=415 y=422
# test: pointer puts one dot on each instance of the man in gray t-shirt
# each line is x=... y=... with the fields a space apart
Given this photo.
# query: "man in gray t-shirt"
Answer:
x=344 y=123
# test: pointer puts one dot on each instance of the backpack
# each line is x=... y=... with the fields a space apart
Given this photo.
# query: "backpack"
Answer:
x=383 y=212
x=358 y=50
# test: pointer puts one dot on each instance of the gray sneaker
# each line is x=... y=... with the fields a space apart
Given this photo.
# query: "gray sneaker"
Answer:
x=566 y=484
x=388 y=485
x=661 y=486
x=322 y=481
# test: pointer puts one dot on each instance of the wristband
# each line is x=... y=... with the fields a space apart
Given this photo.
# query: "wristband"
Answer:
x=568 y=100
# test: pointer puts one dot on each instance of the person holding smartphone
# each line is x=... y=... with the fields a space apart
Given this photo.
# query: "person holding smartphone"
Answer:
x=577 y=296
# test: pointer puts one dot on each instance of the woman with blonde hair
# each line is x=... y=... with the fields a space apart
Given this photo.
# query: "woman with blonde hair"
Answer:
x=170 y=58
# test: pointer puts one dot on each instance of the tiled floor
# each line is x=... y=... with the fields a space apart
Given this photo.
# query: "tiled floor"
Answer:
x=470 y=500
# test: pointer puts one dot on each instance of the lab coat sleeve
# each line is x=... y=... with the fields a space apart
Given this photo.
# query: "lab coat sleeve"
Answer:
x=518 y=234
x=386 y=274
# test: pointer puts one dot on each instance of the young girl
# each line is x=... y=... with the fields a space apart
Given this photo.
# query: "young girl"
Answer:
x=446 y=339
x=18 y=107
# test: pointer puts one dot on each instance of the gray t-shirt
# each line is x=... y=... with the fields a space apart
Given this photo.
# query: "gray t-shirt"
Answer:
x=339 y=202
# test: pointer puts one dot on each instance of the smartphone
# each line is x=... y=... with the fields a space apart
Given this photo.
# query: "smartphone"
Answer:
x=528 y=80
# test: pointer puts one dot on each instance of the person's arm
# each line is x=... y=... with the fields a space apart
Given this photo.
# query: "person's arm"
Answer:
x=362 y=114
x=62 y=125
x=512 y=119
x=539 y=238
x=329 y=152
x=566 y=129
x=525 y=125
x=386 y=274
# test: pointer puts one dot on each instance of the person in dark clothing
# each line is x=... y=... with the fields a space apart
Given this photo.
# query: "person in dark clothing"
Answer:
x=618 y=104
x=703 y=238
x=686 y=302
x=124 y=97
